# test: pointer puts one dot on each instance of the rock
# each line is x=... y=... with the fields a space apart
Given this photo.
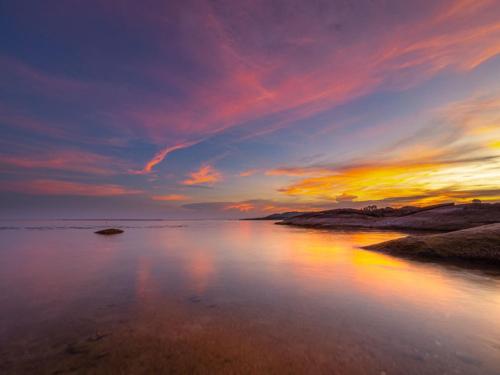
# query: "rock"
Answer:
x=109 y=231
x=479 y=244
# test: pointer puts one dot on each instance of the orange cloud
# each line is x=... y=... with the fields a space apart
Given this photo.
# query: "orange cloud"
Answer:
x=366 y=182
x=248 y=80
x=437 y=181
x=243 y=207
x=170 y=197
x=297 y=171
x=60 y=187
x=248 y=76
x=205 y=175
x=161 y=155
x=248 y=172
x=456 y=160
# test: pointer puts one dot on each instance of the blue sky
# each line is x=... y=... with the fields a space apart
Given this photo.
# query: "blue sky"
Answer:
x=232 y=108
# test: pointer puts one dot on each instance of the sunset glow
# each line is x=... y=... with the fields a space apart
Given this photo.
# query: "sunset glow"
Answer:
x=203 y=109
x=250 y=187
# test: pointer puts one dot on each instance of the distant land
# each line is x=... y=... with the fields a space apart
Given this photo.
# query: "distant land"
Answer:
x=441 y=217
x=481 y=243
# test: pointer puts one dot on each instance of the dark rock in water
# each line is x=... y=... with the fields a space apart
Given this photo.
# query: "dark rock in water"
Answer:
x=479 y=243
x=109 y=231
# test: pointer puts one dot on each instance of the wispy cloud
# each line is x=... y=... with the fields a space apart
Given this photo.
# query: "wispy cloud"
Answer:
x=250 y=69
x=161 y=155
x=293 y=76
x=66 y=160
x=206 y=175
x=253 y=207
x=170 y=197
x=60 y=187
x=243 y=207
x=248 y=172
x=442 y=168
x=299 y=171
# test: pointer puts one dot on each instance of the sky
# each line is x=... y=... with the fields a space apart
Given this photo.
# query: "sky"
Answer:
x=226 y=109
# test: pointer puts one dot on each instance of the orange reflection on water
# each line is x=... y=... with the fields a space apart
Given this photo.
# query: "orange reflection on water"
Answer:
x=384 y=277
x=200 y=270
x=324 y=251
x=145 y=284
x=335 y=257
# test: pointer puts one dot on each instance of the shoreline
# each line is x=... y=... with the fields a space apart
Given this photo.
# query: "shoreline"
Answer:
x=479 y=245
x=355 y=228
x=465 y=233
x=432 y=253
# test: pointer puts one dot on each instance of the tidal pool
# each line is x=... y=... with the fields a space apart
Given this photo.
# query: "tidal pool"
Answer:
x=235 y=297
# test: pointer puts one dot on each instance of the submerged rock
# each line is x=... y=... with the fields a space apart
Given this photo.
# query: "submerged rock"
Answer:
x=479 y=243
x=109 y=231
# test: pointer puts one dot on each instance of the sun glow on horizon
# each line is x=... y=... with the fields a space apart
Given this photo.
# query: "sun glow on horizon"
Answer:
x=203 y=114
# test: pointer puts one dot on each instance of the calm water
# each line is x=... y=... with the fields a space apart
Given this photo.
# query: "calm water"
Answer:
x=235 y=297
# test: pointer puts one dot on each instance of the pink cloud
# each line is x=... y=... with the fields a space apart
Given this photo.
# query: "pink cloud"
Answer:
x=297 y=80
x=66 y=160
x=309 y=68
x=259 y=66
x=60 y=187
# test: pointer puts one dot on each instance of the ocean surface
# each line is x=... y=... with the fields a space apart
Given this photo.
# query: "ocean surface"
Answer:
x=235 y=297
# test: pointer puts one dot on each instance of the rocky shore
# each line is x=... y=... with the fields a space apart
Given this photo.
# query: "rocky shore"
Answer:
x=477 y=244
x=469 y=231
x=446 y=217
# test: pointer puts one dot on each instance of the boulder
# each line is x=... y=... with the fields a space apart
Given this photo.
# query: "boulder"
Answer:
x=109 y=231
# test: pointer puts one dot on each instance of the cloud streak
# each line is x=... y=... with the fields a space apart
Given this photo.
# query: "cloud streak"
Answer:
x=290 y=76
x=430 y=166
x=66 y=160
x=248 y=172
x=61 y=187
x=206 y=175
x=209 y=76
x=161 y=155
x=170 y=197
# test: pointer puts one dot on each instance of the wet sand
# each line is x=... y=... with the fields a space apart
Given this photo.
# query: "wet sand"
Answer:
x=237 y=297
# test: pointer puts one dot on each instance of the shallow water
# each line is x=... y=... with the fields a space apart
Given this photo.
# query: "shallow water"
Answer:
x=235 y=297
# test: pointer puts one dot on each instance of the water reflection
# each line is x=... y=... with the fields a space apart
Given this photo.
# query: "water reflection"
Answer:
x=266 y=294
x=200 y=269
